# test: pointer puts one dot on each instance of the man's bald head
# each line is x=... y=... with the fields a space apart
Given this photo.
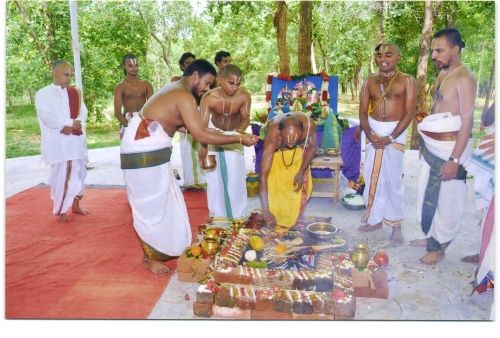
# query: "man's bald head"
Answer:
x=230 y=70
x=291 y=131
x=62 y=71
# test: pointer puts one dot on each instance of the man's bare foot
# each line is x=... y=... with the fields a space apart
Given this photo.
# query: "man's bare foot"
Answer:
x=432 y=257
x=77 y=209
x=397 y=236
x=471 y=259
x=156 y=267
x=419 y=242
x=62 y=218
x=368 y=227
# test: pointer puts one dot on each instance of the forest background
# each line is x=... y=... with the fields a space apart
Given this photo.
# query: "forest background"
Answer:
x=294 y=37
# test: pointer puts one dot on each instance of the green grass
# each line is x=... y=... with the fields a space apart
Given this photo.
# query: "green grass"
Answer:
x=23 y=130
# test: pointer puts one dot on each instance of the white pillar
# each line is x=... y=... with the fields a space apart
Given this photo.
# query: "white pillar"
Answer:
x=75 y=41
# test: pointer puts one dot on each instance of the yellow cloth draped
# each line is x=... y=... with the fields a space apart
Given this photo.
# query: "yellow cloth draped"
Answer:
x=284 y=203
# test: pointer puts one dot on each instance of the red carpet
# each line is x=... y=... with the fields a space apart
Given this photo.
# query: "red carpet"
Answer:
x=87 y=268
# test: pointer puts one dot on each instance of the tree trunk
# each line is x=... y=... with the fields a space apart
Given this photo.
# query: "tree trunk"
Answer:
x=10 y=101
x=351 y=86
x=31 y=94
x=489 y=89
x=281 y=25
x=380 y=21
x=163 y=45
x=305 y=37
x=324 y=57
x=425 y=39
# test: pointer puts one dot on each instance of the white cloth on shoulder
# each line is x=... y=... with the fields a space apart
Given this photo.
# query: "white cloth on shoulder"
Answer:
x=159 y=212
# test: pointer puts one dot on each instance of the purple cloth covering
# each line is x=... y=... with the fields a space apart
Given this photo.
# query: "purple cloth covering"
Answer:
x=259 y=147
x=350 y=151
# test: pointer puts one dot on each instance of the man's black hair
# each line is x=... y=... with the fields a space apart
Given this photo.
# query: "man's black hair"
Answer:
x=184 y=57
x=377 y=49
x=221 y=54
x=201 y=66
x=452 y=35
x=126 y=57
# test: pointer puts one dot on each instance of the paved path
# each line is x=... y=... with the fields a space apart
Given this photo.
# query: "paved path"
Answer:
x=417 y=292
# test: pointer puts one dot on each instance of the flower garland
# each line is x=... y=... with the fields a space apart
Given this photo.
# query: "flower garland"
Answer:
x=325 y=96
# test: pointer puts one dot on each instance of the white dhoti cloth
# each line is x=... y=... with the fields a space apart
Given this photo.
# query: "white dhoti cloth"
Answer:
x=226 y=183
x=192 y=173
x=452 y=194
x=158 y=208
x=128 y=117
x=66 y=182
x=383 y=172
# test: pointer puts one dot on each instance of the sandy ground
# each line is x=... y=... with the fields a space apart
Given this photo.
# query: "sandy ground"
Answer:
x=417 y=292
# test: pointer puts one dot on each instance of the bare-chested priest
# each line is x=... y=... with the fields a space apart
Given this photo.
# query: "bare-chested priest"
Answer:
x=387 y=106
x=132 y=93
x=285 y=182
x=227 y=109
x=445 y=145
x=158 y=208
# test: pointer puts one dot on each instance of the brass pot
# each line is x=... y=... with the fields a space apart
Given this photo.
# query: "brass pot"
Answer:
x=360 y=255
x=210 y=246
x=208 y=162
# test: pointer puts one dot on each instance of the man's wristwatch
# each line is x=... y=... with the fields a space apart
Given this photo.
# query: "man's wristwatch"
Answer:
x=454 y=160
x=392 y=139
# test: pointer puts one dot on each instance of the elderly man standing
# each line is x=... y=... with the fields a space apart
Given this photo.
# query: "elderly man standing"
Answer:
x=285 y=182
x=62 y=115
x=446 y=144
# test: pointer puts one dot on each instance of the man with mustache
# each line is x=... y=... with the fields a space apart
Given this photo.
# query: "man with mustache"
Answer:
x=158 y=208
x=387 y=106
x=446 y=144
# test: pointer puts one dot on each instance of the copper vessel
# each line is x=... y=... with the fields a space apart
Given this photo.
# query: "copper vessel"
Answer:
x=360 y=255
x=210 y=246
x=208 y=162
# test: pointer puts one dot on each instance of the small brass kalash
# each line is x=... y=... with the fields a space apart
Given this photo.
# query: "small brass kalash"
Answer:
x=360 y=256
x=210 y=246
x=208 y=162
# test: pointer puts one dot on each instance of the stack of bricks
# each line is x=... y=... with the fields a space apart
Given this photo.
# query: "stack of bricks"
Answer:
x=243 y=292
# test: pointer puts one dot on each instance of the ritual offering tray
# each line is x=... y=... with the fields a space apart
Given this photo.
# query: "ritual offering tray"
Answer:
x=332 y=151
x=321 y=230
x=262 y=274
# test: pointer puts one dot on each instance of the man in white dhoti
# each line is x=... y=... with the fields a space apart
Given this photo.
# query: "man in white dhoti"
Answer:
x=158 y=208
x=193 y=176
x=227 y=109
x=62 y=116
x=387 y=106
x=131 y=94
x=445 y=145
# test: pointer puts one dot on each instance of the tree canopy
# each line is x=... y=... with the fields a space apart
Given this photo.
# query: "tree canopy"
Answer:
x=158 y=32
